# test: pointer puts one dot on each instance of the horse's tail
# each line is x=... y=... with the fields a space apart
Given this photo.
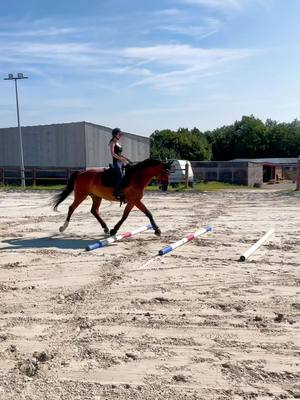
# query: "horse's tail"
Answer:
x=60 y=197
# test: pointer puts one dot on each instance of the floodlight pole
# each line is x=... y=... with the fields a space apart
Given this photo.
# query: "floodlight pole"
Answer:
x=15 y=78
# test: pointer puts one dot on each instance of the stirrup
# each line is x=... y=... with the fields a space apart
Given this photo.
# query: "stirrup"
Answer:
x=116 y=195
x=122 y=198
x=119 y=195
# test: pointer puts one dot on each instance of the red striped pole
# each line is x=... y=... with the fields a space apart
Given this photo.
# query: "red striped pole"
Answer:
x=125 y=235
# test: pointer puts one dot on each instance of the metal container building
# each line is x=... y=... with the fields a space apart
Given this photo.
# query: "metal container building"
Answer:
x=237 y=172
x=276 y=168
x=75 y=145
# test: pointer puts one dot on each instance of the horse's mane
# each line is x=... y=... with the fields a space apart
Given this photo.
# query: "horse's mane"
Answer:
x=149 y=162
x=131 y=169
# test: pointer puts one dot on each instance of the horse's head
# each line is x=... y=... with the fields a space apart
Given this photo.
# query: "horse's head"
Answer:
x=163 y=176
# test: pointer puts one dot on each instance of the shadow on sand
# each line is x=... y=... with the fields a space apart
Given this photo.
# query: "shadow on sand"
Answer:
x=49 y=242
x=288 y=193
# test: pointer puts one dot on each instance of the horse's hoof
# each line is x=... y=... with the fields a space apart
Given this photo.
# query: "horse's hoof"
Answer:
x=157 y=232
x=112 y=232
x=106 y=230
x=63 y=227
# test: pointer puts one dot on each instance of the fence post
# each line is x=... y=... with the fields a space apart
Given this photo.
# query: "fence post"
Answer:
x=34 y=176
x=186 y=175
x=298 y=175
x=2 y=176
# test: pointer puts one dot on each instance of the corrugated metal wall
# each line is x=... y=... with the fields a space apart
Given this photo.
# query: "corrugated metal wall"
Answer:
x=136 y=148
x=9 y=147
x=58 y=145
x=70 y=145
x=97 y=149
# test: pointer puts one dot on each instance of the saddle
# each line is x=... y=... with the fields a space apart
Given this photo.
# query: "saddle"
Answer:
x=109 y=177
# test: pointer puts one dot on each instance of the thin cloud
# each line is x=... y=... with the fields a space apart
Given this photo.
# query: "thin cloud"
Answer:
x=183 y=22
x=183 y=54
x=209 y=27
x=175 y=80
x=224 y=5
x=183 y=65
x=39 y=32
x=161 y=66
x=221 y=4
x=170 y=12
x=64 y=54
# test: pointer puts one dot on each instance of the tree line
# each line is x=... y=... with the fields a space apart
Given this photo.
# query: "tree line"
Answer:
x=248 y=138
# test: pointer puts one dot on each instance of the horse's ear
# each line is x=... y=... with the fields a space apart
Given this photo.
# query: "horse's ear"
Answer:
x=168 y=164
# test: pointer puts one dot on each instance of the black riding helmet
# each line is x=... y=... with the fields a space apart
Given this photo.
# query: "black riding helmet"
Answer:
x=115 y=132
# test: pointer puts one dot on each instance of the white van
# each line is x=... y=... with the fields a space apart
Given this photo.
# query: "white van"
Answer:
x=177 y=174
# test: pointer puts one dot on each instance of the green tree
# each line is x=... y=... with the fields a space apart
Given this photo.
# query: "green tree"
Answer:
x=180 y=144
x=243 y=139
x=248 y=138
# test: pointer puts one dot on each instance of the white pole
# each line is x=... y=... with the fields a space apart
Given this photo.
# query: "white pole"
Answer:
x=256 y=245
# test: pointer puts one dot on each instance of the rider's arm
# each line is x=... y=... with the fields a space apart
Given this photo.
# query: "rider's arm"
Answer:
x=124 y=159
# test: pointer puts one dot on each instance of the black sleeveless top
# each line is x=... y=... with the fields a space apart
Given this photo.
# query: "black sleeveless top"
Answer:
x=118 y=151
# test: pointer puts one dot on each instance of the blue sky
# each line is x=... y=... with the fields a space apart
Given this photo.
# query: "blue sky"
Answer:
x=144 y=65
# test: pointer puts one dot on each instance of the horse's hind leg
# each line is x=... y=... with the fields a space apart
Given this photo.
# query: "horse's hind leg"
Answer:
x=95 y=211
x=141 y=206
x=78 y=198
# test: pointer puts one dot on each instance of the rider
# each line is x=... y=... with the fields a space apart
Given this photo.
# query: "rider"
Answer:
x=118 y=161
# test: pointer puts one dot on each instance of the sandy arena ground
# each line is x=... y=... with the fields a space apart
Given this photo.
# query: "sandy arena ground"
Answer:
x=193 y=324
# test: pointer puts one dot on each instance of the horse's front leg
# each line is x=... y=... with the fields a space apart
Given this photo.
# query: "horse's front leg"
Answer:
x=141 y=206
x=126 y=212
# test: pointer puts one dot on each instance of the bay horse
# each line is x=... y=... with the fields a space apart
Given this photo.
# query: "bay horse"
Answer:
x=99 y=184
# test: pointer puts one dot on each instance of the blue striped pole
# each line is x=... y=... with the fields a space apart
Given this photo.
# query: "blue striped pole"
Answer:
x=111 y=239
x=184 y=240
